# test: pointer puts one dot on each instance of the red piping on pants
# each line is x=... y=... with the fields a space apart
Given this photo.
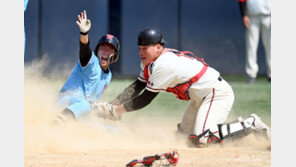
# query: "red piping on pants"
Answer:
x=203 y=129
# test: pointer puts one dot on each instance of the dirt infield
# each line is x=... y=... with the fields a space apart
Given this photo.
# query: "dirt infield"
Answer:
x=98 y=142
x=211 y=157
x=80 y=149
x=83 y=144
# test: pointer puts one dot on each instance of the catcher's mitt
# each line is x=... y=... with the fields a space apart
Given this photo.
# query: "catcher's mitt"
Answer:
x=105 y=110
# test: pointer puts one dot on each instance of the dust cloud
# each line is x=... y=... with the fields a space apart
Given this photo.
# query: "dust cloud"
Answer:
x=92 y=133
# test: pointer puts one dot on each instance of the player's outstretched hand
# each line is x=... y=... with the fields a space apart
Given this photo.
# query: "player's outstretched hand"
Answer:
x=105 y=110
x=83 y=23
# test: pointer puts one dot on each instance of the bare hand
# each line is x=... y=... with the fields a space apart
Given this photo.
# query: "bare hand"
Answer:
x=246 y=21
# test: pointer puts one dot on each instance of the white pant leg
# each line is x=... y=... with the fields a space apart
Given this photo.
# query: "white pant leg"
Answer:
x=214 y=108
x=252 y=40
x=266 y=37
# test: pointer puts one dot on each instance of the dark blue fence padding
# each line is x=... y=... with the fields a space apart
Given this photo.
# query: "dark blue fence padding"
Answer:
x=31 y=28
x=59 y=32
x=211 y=29
x=138 y=15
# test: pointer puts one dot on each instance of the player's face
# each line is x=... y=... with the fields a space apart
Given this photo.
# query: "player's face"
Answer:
x=104 y=52
x=149 y=53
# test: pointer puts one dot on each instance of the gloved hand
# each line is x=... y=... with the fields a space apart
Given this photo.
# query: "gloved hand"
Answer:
x=105 y=110
x=83 y=23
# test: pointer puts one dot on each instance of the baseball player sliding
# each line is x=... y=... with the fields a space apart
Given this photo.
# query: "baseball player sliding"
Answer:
x=190 y=79
x=91 y=75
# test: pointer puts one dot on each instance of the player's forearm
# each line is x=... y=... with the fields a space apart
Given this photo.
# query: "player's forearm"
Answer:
x=140 y=101
x=129 y=93
x=84 y=51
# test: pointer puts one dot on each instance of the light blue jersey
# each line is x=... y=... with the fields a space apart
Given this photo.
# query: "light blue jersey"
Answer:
x=85 y=85
x=25 y=7
x=25 y=4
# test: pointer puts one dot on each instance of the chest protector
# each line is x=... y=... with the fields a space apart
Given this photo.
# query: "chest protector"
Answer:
x=181 y=90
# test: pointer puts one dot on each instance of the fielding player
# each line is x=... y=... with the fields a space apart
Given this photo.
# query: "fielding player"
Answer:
x=91 y=75
x=190 y=79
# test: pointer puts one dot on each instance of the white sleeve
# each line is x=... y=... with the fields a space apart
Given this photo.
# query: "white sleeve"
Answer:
x=160 y=78
x=141 y=75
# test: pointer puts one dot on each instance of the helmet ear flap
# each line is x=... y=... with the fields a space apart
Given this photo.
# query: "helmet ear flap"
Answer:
x=113 y=58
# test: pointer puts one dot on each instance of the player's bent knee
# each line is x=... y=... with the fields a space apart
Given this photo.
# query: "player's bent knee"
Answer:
x=181 y=131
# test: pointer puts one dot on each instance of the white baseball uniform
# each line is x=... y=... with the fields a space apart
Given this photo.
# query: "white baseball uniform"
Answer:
x=212 y=99
x=259 y=12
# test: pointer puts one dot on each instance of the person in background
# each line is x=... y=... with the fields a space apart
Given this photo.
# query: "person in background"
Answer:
x=256 y=16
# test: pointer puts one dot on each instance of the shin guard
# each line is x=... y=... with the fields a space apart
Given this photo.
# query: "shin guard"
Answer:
x=236 y=130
